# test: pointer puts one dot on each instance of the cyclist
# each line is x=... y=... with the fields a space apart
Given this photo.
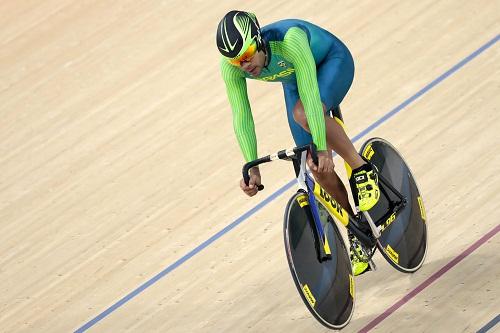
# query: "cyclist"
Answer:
x=316 y=70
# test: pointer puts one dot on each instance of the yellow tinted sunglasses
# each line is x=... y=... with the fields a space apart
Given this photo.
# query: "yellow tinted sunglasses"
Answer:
x=246 y=56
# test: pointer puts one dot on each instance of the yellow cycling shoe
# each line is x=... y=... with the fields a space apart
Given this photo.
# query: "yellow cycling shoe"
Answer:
x=358 y=266
x=365 y=181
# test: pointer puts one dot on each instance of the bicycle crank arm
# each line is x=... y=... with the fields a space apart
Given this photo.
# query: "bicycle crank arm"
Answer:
x=360 y=234
x=372 y=225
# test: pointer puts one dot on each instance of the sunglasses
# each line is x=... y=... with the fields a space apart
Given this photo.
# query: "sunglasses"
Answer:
x=246 y=56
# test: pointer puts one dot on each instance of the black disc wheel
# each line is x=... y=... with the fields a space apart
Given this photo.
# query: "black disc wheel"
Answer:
x=326 y=287
x=403 y=241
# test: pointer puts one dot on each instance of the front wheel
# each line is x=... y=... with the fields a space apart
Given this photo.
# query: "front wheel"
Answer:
x=327 y=287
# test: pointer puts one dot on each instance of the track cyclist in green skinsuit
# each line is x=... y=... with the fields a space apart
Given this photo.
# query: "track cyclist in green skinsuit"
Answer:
x=316 y=70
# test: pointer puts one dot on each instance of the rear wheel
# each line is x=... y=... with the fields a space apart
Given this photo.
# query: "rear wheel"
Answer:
x=403 y=241
x=327 y=288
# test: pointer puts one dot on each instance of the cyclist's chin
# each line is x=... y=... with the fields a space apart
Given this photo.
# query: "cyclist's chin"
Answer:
x=255 y=71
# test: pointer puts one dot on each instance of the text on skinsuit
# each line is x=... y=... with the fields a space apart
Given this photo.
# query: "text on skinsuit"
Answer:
x=284 y=73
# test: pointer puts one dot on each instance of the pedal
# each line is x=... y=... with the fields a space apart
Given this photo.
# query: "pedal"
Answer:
x=365 y=255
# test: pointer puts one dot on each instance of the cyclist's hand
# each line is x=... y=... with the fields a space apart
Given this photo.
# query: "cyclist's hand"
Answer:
x=251 y=189
x=325 y=162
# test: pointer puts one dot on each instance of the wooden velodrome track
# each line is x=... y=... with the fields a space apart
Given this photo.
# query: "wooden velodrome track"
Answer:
x=118 y=159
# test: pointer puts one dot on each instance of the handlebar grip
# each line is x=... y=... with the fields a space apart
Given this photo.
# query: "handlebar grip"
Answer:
x=251 y=164
x=245 y=170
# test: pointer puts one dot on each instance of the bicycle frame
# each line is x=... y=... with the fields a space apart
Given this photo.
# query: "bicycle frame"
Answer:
x=313 y=191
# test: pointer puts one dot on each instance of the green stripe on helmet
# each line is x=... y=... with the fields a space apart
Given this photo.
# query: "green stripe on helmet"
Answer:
x=236 y=32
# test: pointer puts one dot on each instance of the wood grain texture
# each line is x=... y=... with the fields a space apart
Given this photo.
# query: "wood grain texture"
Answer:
x=117 y=157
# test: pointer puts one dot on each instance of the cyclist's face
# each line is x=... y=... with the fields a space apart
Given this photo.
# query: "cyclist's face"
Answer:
x=251 y=61
x=253 y=66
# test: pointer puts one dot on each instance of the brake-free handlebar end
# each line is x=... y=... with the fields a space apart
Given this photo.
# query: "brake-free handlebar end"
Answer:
x=251 y=164
x=246 y=178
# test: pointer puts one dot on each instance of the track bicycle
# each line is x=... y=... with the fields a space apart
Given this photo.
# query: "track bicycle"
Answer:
x=316 y=251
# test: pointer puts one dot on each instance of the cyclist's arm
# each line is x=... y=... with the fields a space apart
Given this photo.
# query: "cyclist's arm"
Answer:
x=297 y=50
x=244 y=128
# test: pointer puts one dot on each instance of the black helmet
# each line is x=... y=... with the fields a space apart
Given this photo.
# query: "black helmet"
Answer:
x=236 y=31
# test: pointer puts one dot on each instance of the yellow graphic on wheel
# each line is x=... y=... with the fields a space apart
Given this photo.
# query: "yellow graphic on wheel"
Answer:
x=368 y=152
x=351 y=285
x=302 y=200
x=308 y=294
x=392 y=254
x=422 y=209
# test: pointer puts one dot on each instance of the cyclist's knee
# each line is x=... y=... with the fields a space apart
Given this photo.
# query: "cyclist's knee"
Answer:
x=299 y=115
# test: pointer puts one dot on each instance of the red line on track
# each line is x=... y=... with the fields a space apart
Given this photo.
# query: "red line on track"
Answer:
x=430 y=280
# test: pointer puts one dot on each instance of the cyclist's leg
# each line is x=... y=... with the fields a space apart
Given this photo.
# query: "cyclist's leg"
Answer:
x=333 y=185
x=335 y=77
x=336 y=137
x=300 y=136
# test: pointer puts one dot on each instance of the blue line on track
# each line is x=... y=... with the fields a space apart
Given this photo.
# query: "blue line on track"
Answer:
x=280 y=191
x=490 y=325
